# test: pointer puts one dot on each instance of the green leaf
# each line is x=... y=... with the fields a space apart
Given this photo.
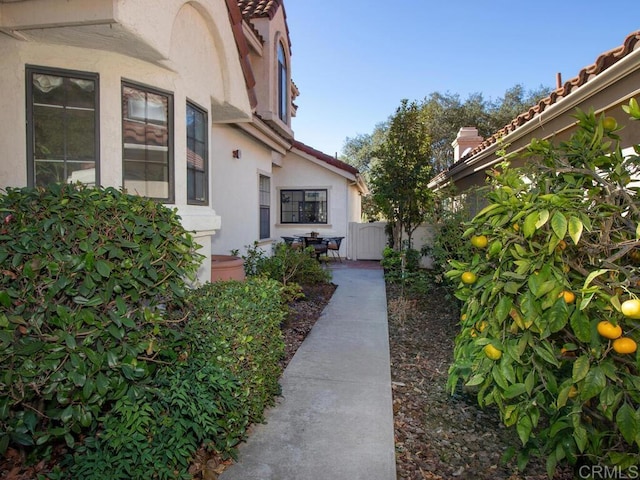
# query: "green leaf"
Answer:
x=529 y=227
x=559 y=224
x=627 y=423
x=594 y=382
x=543 y=217
x=475 y=380
x=103 y=268
x=575 y=229
x=592 y=276
x=581 y=326
x=515 y=390
x=580 y=368
x=5 y=299
x=524 y=428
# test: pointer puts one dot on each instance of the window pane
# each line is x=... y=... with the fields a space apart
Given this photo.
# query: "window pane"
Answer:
x=48 y=125
x=303 y=206
x=147 y=158
x=197 y=156
x=80 y=134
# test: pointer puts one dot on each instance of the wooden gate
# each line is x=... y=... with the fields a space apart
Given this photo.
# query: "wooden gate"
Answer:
x=367 y=240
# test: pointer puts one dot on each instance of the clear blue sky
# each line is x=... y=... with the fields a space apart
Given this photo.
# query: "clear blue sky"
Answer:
x=355 y=60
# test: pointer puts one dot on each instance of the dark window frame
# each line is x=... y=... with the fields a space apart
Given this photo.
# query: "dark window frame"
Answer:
x=264 y=218
x=30 y=70
x=205 y=171
x=283 y=85
x=170 y=134
x=302 y=208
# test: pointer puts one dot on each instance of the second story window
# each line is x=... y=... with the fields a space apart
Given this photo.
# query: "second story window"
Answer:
x=283 y=91
x=146 y=134
x=197 y=156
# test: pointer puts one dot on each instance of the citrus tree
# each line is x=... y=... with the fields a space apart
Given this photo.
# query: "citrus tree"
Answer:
x=551 y=312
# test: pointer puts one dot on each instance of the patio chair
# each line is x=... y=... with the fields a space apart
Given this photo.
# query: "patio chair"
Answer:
x=333 y=244
x=293 y=242
x=319 y=246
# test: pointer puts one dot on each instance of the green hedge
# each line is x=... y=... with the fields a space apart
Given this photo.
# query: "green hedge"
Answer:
x=89 y=277
x=230 y=349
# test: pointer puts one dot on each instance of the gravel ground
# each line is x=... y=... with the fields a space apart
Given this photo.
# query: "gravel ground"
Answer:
x=439 y=436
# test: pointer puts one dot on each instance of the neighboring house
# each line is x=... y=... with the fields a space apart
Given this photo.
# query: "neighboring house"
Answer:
x=186 y=102
x=604 y=86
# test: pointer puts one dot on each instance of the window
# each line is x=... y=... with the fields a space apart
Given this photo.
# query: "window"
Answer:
x=303 y=206
x=197 y=156
x=265 y=206
x=146 y=135
x=62 y=126
x=283 y=96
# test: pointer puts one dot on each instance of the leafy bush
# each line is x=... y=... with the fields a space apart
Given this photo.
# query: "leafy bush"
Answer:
x=226 y=373
x=400 y=266
x=448 y=242
x=88 y=277
x=286 y=265
x=156 y=435
x=236 y=325
x=560 y=259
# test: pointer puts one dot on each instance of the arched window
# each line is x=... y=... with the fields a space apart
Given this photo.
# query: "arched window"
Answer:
x=283 y=91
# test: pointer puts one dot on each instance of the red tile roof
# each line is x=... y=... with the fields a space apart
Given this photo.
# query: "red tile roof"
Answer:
x=604 y=61
x=325 y=158
x=259 y=8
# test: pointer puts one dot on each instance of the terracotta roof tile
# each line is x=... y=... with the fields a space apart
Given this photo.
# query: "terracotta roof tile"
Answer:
x=325 y=158
x=604 y=61
x=259 y=8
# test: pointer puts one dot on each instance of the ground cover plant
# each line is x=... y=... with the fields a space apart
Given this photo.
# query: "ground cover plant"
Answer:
x=550 y=300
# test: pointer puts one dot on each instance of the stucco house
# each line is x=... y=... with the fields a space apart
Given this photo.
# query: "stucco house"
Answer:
x=604 y=86
x=186 y=102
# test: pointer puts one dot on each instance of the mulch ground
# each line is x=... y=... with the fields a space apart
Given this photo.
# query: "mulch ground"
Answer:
x=440 y=436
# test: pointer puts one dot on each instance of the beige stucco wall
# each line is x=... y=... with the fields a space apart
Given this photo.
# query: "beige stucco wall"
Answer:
x=201 y=66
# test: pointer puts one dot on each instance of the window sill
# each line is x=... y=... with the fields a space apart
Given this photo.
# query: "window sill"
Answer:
x=304 y=225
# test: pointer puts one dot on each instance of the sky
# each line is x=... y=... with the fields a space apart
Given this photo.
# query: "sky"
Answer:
x=355 y=60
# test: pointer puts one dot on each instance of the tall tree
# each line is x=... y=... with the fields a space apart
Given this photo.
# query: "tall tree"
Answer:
x=402 y=171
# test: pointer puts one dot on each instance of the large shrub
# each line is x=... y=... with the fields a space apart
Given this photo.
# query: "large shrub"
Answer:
x=561 y=258
x=237 y=326
x=226 y=372
x=89 y=276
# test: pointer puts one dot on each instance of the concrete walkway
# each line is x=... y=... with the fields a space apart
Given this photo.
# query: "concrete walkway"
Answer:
x=334 y=420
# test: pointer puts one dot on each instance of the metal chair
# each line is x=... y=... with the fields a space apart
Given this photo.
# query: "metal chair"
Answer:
x=333 y=244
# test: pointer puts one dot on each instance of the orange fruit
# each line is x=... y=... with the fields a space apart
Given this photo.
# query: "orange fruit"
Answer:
x=568 y=296
x=469 y=278
x=573 y=392
x=631 y=308
x=624 y=345
x=479 y=241
x=609 y=330
x=609 y=123
x=492 y=352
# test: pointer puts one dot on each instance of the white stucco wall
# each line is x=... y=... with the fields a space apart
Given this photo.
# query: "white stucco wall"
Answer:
x=199 y=67
x=235 y=188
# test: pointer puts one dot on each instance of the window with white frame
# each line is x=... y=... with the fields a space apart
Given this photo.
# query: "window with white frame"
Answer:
x=265 y=206
x=147 y=154
x=303 y=206
x=62 y=126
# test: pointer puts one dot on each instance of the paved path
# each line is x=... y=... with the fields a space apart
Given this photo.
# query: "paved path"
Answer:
x=334 y=420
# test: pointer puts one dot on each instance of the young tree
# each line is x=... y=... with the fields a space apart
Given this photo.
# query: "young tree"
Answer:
x=402 y=171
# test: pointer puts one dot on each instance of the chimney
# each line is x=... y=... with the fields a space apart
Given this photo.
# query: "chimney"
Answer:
x=467 y=140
